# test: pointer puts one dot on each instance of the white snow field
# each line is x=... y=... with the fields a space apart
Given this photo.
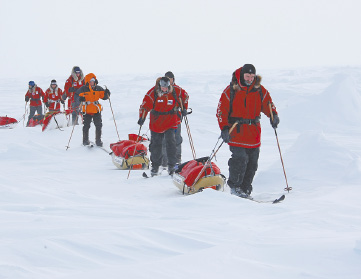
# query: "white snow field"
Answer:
x=72 y=214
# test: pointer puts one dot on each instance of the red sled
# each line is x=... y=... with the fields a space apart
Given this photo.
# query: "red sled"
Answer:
x=7 y=122
x=127 y=153
x=186 y=174
x=36 y=120
x=137 y=138
x=54 y=120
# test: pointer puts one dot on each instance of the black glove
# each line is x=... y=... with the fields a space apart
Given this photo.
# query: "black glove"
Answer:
x=225 y=134
x=81 y=99
x=141 y=121
x=62 y=101
x=107 y=92
x=275 y=121
x=26 y=98
x=184 y=112
x=72 y=89
x=46 y=104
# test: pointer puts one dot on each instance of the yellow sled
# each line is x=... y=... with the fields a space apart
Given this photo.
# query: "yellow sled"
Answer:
x=138 y=162
x=215 y=182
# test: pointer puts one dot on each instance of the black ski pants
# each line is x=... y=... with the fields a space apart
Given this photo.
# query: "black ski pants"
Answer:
x=33 y=109
x=243 y=165
x=97 y=119
x=155 y=148
x=178 y=143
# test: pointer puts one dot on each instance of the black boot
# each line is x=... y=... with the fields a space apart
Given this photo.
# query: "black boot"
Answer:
x=86 y=137
x=98 y=136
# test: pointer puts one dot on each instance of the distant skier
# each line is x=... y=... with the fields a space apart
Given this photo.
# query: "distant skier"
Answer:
x=53 y=97
x=163 y=103
x=34 y=94
x=89 y=95
x=243 y=101
x=72 y=84
x=178 y=133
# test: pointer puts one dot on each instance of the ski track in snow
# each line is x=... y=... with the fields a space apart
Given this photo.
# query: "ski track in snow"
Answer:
x=72 y=214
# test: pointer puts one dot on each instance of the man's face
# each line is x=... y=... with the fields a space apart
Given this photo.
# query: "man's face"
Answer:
x=249 y=78
x=53 y=86
x=171 y=81
x=164 y=89
x=92 y=83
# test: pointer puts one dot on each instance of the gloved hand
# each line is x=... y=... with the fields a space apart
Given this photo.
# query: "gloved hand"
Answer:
x=184 y=112
x=46 y=104
x=275 y=122
x=225 y=134
x=141 y=121
x=81 y=98
x=62 y=101
x=27 y=99
x=107 y=92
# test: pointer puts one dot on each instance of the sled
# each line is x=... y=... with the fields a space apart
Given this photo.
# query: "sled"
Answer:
x=54 y=120
x=123 y=152
x=187 y=172
x=7 y=122
x=36 y=120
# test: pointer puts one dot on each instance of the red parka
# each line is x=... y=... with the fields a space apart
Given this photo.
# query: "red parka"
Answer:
x=164 y=108
x=53 y=98
x=248 y=103
x=34 y=95
x=76 y=83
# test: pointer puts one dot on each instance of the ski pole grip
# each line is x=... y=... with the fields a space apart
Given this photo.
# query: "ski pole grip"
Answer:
x=233 y=126
x=270 y=110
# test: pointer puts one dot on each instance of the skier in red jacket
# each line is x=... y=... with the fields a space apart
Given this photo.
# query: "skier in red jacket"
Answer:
x=34 y=94
x=72 y=84
x=53 y=97
x=178 y=133
x=243 y=101
x=163 y=104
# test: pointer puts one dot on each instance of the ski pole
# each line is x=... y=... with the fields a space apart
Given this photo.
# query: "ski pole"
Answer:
x=279 y=149
x=135 y=147
x=211 y=156
x=76 y=121
x=188 y=132
x=111 y=108
x=26 y=103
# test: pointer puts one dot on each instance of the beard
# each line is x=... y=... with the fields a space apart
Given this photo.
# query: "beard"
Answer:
x=248 y=83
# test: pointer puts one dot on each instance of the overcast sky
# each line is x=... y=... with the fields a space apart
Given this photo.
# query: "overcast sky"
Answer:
x=42 y=38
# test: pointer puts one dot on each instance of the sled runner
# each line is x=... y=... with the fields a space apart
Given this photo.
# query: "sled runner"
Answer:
x=123 y=158
x=184 y=177
x=36 y=120
x=54 y=120
x=7 y=122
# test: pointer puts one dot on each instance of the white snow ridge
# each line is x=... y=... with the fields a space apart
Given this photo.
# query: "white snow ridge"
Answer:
x=72 y=214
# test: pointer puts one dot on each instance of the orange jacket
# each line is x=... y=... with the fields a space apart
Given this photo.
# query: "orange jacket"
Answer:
x=248 y=103
x=91 y=104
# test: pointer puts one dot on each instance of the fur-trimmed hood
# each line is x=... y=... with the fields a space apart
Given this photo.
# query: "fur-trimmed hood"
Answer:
x=73 y=74
x=236 y=80
x=158 y=90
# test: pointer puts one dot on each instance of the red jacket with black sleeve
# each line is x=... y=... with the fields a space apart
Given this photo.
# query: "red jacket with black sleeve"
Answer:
x=34 y=95
x=247 y=104
x=164 y=108
x=184 y=97
x=76 y=83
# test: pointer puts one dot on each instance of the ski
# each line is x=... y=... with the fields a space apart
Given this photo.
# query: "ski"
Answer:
x=102 y=148
x=281 y=198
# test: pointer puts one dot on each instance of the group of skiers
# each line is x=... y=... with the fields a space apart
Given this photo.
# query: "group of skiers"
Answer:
x=238 y=113
x=83 y=94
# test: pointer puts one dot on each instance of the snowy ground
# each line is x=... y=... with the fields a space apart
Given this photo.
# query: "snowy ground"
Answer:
x=72 y=214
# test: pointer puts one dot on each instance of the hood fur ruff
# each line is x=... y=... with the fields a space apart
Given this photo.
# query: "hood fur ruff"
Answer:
x=236 y=80
x=73 y=74
x=158 y=90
